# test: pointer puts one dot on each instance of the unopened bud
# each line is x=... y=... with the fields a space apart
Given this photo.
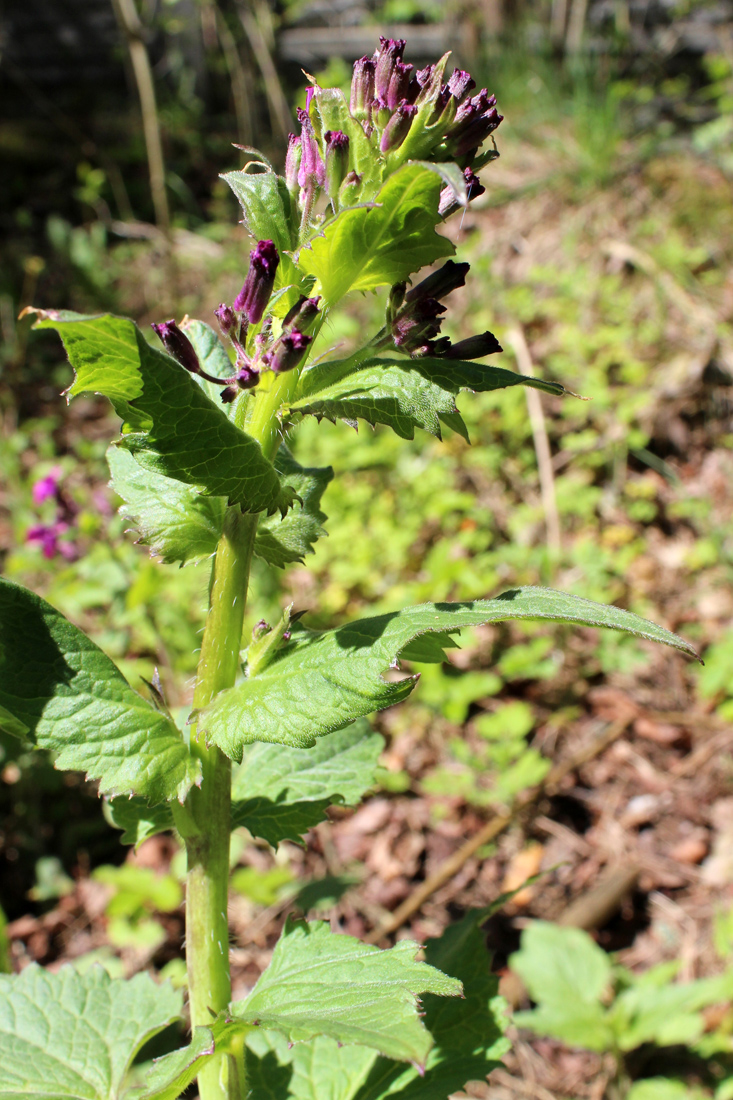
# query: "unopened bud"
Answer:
x=288 y=352
x=302 y=316
x=255 y=294
x=460 y=82
x=362 y=88
x=399 y=84
x=350 y=190
x=337 y=160
x=398 y=126
x=312 y=172
x=292 y=162
x=475 y=347
x=226 y=317
x=389 y=53
x=440 y=283
x=178 y=345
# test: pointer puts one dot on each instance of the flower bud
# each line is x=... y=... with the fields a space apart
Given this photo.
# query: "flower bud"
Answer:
x=398 y=126
x=292 y=162
x=302 y=316
x=362 y=88
x=350 y=190
x=475 y=347
x=399 y=84
x=288 y=351
x=460 y=82
x=416 y=323
x=475 y=120
x=178 y=345
x=255 y=294
x=312 y=172
x=226 y=317
x=448 y=203
x=337 y=160
x=387 y=56
x=440 y=283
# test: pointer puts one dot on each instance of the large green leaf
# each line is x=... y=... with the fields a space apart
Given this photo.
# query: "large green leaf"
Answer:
x=392 y=395
x=71 y=1035
x=58 y=689
x=265 y=204
x=320 y=983
x=278 y=793
x=281 y=540
x=369 y=246
x=321 y=682
x=170 y=424
x=467 y=1032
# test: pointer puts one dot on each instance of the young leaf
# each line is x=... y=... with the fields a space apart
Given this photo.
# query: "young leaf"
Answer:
x=71 y=1035
x=369 y=246
x=392 y=395
x=322 y=682
x=171 y=426
x=69 y=697
x=178 y=522
x=281 y=540
x=266 y=206
x=277 y=793
x=320 y=983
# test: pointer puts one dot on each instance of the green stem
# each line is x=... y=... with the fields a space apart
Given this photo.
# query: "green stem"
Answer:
x=206 y=821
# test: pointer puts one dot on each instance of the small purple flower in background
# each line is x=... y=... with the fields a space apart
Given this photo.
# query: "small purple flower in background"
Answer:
x=255 y=294
x=47 y=486
x=47 y=535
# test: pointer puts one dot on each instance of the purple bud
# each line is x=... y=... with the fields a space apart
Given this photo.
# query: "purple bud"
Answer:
x=337 y=160
x=350 y=189
x=475 y=347
x=398 y=126
x=416 y=323
x=260 y=629
x=302 y=316
x=312 y=172
x=226 y=317
x=362 y=88
x=247 y=377
x=47 y=486
x=475 y=120
x=460 y=82
x=292 y=162
x=389 y=53
x=399 y=84
x=448 y=203
x=288 y=351
x=255 y=294
x=178 y=345
x=440 y=283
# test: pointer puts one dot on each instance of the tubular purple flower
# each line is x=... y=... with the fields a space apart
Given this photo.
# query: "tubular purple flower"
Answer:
x=440 y=283
x=362 y=88
x=398 y=126
x=448 y=203
x=475 y=347
x=312 y=172
x=386 y=58
x=255 y=294
x=399 y=84
x=337 y=160
x=178 y=345
x=226 y=317
x=460 y=82
x=288 y=351
x=292 y=162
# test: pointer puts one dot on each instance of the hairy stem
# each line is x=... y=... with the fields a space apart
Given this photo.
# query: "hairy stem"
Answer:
x=207 y=823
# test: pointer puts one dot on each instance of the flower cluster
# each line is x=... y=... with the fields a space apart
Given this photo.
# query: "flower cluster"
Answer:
x=414 y=318
x=49 y=536
x=281 y=354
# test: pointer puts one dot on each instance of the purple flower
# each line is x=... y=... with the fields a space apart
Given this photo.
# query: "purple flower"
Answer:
x=288 y=351
x=178 y=345
x=475 y=120
x=386 y=58
x=399 y=85
x=362 y=88
x=226 y=317
x=416 y=323
x=460 y=82
x=475 y=347
x=47 y=486
x=47 y=535
x=448 y=203
x=440 y=283
x=255 y=294
x=398 y=126
x=337 y=160
x=312 y=172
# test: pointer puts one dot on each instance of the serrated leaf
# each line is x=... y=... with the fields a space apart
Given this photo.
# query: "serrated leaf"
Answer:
x=171 y=426
x=320 y=983
x=71 y=1035
x=366 y=247
x=266 y=206
x=321 y=682
x=278 y=793
x=177 y=522
x=76 y=703
x=174 y=1072
x=282 y=540
x=393 y=395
